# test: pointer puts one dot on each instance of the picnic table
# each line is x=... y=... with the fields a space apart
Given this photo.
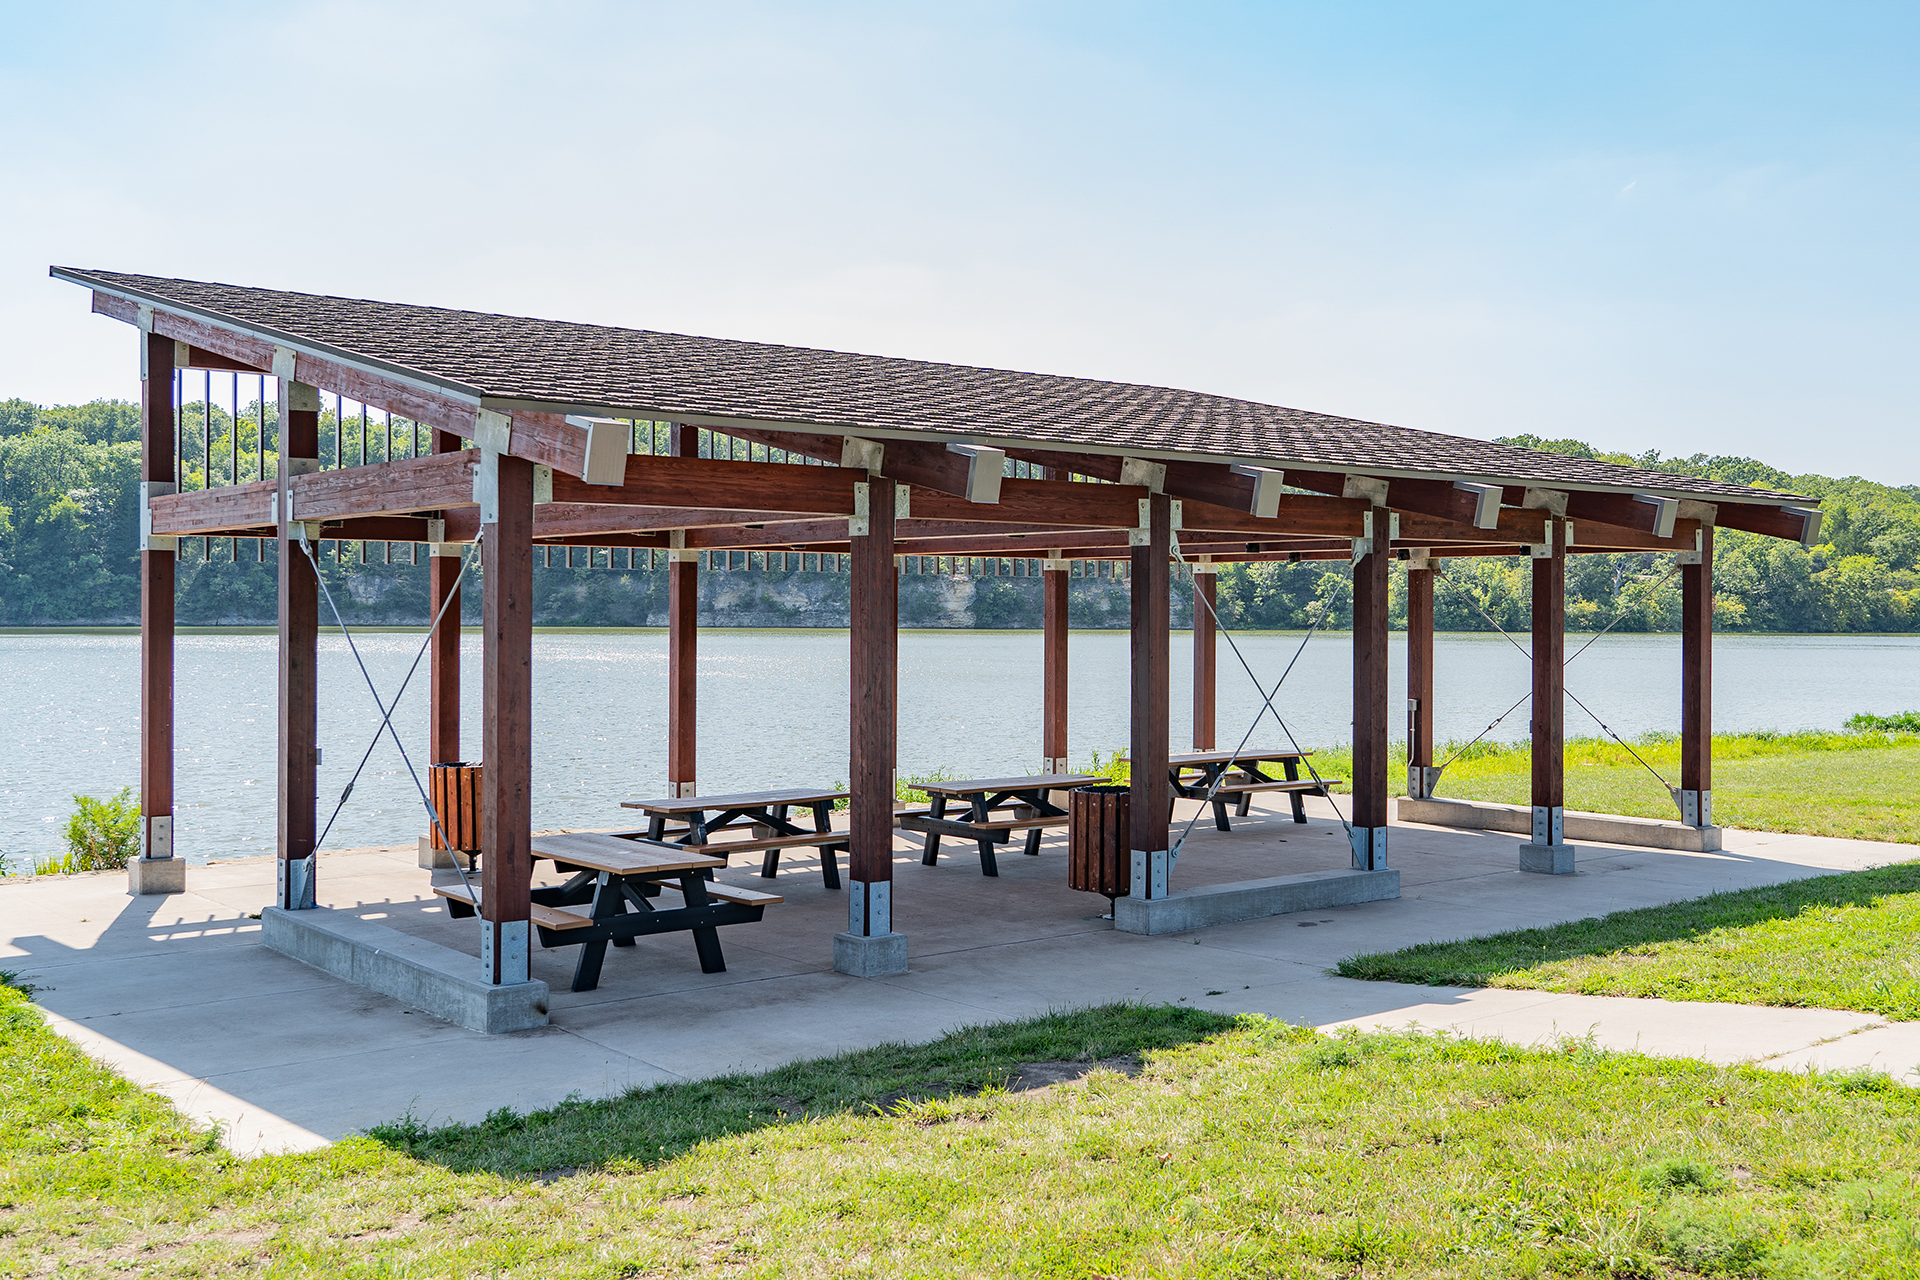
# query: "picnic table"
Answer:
x=691 y=822
x=983 y=798
x=1249 y=775
x=615 y=878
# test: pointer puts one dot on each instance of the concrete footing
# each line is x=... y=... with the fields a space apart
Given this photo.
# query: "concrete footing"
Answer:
x=420 y=974
x=1547 y=859
x=876 y=957
x=157 y=875
x=1602 y=828
x=1249 y=899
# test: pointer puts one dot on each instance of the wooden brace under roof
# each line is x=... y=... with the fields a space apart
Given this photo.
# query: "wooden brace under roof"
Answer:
x=716 y=495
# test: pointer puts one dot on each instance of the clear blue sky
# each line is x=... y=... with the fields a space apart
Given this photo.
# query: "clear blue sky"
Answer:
x=1672 y=226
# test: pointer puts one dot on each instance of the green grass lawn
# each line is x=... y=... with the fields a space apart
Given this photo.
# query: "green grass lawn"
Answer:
x=1848 y=941
x=1823 y=784
x=1243 y=1148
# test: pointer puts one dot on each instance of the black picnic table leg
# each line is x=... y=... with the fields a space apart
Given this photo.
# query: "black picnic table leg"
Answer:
x=656 y=826
x=1210 y=774
x=829 y=866
x=706 y=938
x=981 y=813
x=1039 y=801
x=606 y=903
x=1299 y=801
x=770 y=860
x=937 y=809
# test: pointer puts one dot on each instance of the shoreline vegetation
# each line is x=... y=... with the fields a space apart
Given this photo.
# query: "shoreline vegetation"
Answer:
x=69 y=530
x=1165 y=1140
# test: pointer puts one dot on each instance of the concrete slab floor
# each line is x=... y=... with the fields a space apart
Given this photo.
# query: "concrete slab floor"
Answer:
x=178 y=993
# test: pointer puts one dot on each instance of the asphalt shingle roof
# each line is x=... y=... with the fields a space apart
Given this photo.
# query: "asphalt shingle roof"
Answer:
x=643 y=373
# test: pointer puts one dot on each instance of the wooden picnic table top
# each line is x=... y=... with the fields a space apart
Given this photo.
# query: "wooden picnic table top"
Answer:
x=1194 y=758
x=618 y=856
x=744 y=800
x=978 y=786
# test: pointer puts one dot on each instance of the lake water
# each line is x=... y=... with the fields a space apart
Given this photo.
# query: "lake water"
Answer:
x=773 y=712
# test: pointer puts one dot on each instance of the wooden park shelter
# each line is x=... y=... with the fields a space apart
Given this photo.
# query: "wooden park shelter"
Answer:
x=861 y=461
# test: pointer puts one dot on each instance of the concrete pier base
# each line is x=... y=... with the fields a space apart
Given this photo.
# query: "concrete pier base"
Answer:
x=1251 y=899
x=1547 y=859
x=876 y=957
x=421 y=974
x=157 y=875
x=1602 y=828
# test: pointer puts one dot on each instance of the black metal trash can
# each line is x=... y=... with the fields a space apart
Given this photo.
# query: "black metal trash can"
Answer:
x=1099 y=843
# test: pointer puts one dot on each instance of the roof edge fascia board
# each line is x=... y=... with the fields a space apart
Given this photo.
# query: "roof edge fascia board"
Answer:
x=416 y=378
x=720 y=422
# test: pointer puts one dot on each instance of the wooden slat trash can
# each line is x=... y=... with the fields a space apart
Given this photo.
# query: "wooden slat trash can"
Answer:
x=1099 y=852
x=455 y=790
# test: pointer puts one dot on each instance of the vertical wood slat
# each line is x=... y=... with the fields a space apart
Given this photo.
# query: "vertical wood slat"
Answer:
x=874 y=664
x=157 y=570
x=1205 y=661
x=299 y=601
x=1549 y=672
x=1696 y=675
x=443 y=658
x=506 y=810
x=1053 y=665
x=1420 y=671
x=1370 y=692
x=1150 y=671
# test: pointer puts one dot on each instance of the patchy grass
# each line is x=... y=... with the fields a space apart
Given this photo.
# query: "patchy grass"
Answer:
x=1823 y=784
x=1848 y=941
x=1258 y=1150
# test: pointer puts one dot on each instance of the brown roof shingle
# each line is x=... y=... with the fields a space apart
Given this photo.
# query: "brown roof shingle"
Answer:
x=639 y=372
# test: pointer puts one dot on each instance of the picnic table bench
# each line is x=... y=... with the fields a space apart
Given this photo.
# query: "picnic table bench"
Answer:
x=1249 y=777
x=614 y=879
x=984 y=797
x=695 y=820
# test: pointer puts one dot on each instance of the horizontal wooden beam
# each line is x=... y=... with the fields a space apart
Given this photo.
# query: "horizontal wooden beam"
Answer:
x=752 y=487
x=433 y=483
x=211 y=510
x=1795 y=524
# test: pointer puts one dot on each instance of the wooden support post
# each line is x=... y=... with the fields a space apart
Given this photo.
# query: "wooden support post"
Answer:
x=683 y=640
x=299 y=598
x=1205 y=665
x=1150 y=805
x=506 y=750
x=443 y=658
x=1370 y=695
x=1421 y=775
x=1053 y=665
x=156 y=870
x=870 y=947
x=1696 y=684
x=1548 y=851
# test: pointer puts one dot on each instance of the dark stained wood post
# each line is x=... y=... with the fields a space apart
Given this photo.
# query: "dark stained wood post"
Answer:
x=1420 y=777
x=1370 y=694
x=156 y=870
x=299 y=596
x=506 y=736
x=1053 y=664
x=443 y=655
x=683 y=641
x=1548 y=851
x=1150 y=799
x=1205 y=666
x=1696 y=683
x=870 y=947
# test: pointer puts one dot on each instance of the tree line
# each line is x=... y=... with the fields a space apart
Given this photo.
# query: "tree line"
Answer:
x=69 y=528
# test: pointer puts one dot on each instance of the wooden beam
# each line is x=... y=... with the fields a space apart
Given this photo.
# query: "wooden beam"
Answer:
x=1592 y=535
x=1696 y=686
x=213 y=510
x=1370 y=694
x=157 y=568
x=1549 y=726
x=1053 y=668
x=433 y=483
x=683 y=640
x=919 y=463
x=873 y=717
x=443 y=656
x=1149 y=803
x=506 y=752
x=1419 y=681
x=1299 y=515
x=659 y=481
x=1516 y=525
x=299 y=670
x=1795 y=524
x=1206 y=666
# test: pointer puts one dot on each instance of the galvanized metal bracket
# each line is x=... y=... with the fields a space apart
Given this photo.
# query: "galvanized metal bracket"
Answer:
x=296 y=886
x=149 y=541
x=986 y=467
x=1150 y=869
x=1267 y=484
x=1369 y=848
x=1549 y=824
x=542 y=484
x=509 y=939
x=159 y=836
x=869 y=908
x=609 y=441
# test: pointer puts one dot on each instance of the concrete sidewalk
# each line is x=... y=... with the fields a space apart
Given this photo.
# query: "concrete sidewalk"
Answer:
x=178 y=993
